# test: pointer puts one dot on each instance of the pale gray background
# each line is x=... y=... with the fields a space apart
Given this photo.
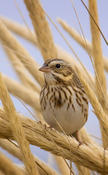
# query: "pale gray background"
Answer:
x=63 y=9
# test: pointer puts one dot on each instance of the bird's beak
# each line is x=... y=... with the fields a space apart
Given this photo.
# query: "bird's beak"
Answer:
x=45 y=69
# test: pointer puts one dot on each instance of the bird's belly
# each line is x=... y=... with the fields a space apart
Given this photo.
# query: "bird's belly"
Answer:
x=68 y=121
x=64 y=110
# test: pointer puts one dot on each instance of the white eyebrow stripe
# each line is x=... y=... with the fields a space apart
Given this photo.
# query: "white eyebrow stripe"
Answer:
x=56 y=62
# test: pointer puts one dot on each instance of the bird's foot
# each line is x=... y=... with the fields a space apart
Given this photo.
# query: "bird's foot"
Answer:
x=46 y=126
x=77 y=137
x=39 y=122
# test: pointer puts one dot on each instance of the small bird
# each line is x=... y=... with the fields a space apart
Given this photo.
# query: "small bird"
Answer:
x=63 y=100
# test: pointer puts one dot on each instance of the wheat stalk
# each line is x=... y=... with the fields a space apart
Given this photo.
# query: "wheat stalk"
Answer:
x=13 y=149
x=44 y=37
x=17 y=129
x=8 y=167
x=40 y=136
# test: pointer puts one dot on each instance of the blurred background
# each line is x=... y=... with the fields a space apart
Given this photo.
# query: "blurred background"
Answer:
x=14 y=10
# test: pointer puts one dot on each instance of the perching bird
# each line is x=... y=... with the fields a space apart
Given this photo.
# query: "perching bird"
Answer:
x=63 y=100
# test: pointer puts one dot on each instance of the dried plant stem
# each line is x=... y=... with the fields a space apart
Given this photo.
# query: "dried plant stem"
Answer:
x=77 y=37
x=7 y=166
x=11 y=148
x=98 y=61
x=82 y=170
x=43 y=32
x=105 y=64
x=84 y=43
x=14 y=150
x=40 y=136
x=20 y=30
x=85 y=139
x=28 y=96
x=21 y=71
x=10 y=41
x=64 y=169
x=102 y=117
x=97 y=53
x=17 y=129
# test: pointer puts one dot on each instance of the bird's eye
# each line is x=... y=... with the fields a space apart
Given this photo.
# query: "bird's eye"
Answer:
x=58 y=65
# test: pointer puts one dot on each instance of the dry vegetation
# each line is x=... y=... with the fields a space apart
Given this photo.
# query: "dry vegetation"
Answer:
x=89 y=157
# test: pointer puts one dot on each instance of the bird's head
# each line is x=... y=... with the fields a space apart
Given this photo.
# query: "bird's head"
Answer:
x=57 y=71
